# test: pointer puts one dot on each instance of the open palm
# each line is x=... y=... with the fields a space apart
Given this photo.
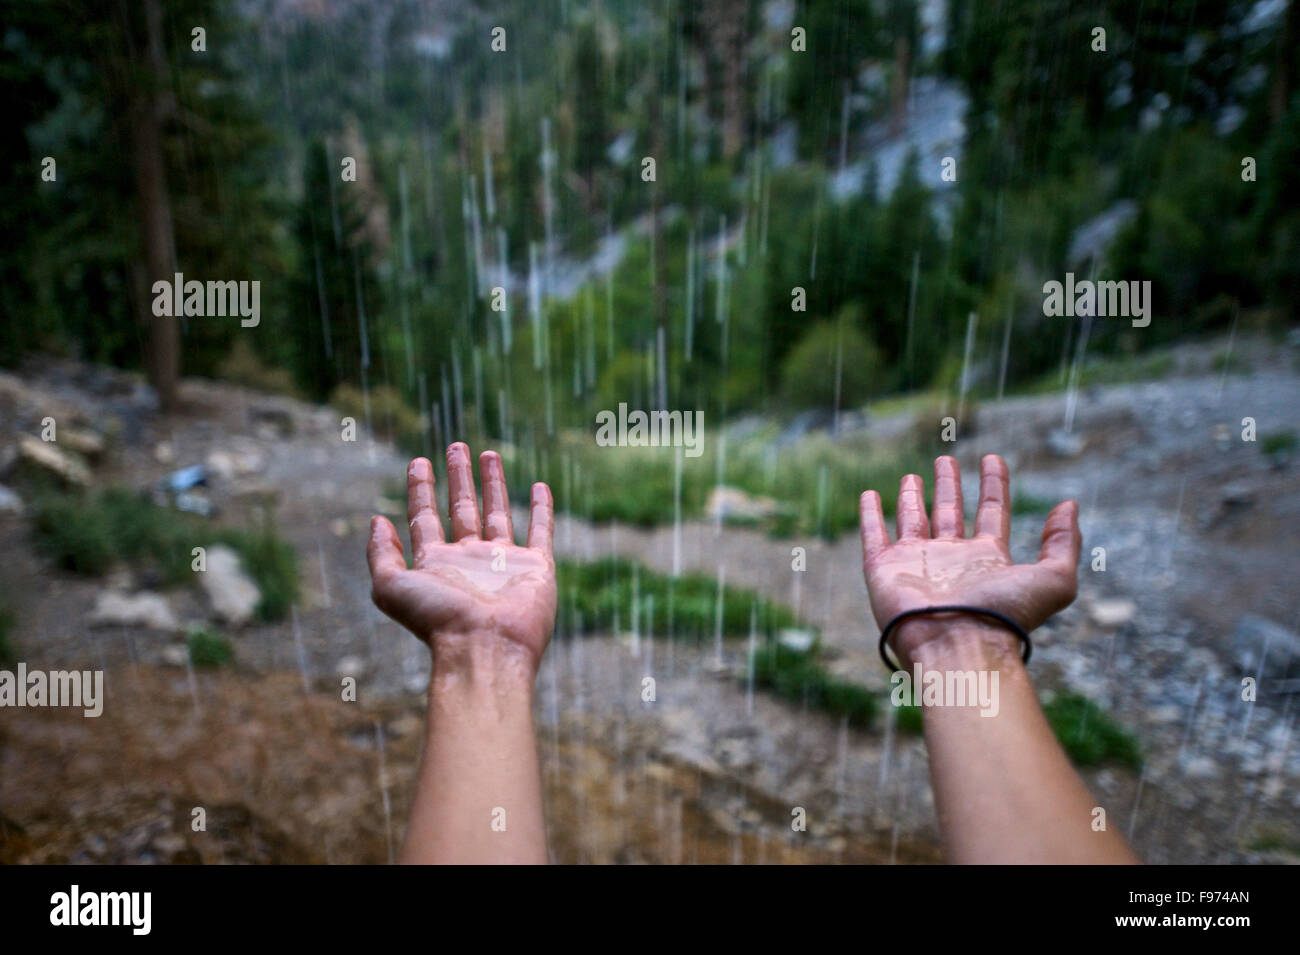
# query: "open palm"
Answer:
x=934 y=563
x=478 y=583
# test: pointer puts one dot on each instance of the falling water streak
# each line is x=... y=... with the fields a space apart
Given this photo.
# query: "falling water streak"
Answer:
x=324 y=305
x=636 y=609
x=1227 y=356
x=911 y=313
x=589 y=326
x=1173 y=528
x=1137 y=801
x=383 y=788
x=662 y=369
x=548 y=199
x=717 y=623
x=402 y=193
x=458 y=389
x=839 y=376
x=489 y=195
x=1076 y=366
x=192 y=681
x=967 y=352
x=677 y=513
x=720 y=272
x=842 y=770
x=1006 y=350
x=887 y=754
x=502 y=257
x=324 y=577
x=535 y=305
x=480 y=410
x=650 y=636
x=302 y=651
x=1191 y=716
x=752 y=649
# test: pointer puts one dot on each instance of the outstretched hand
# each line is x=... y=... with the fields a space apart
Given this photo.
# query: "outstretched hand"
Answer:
x=934 y=563
x=479 y=585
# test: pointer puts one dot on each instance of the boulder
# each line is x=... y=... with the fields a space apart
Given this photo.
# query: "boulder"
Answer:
x=114 y=608
x=1260 y=646
x=1112 y=614
x=1065 y=444
x=233 y=594
x=10 y=502
x=66 y=466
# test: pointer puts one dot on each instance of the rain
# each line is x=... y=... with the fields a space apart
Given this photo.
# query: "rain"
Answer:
x=827 y=229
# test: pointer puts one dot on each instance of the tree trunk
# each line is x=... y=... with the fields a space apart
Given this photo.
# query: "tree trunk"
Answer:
x=162 y=348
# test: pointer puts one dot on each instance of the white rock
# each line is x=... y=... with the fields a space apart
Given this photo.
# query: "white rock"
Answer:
x=731 y=503
x=114 y=608
x=64 y=465
x=233 y=594
x=800 y=641
x=1112 y=614
x=351 y=666
x=10 y=502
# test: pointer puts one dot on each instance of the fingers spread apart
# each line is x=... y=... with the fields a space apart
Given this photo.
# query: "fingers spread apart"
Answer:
x=871 y=519
x=422 y=510
x=541 y=520
x=911 y=519
x=384 y=550
x=947 y=519
x=460 y=491
x=496 y=502
x=993 y=519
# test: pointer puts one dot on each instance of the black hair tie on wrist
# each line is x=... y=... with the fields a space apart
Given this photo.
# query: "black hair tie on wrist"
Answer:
x=1001 y=618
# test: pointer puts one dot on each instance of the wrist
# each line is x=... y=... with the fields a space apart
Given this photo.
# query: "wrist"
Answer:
x=956 y=641
x=481 y=662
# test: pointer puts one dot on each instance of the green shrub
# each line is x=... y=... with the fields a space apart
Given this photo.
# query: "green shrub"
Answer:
x=208 y=649
x=272 y=563
x=1088 y=733
x=799 y=676
x=808 y=378
x=386 y=413
x=1278 y=443
x=595 y=595
x=89 y=532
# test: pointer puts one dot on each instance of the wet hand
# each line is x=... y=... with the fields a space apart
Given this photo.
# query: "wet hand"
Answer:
x=480 y=586
x=932 y=562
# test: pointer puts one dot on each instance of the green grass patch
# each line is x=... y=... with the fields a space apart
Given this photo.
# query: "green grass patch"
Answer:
x=617 y=594
x=800 y=677
x=811 y=489
x=208 y=649
x=90 y=532
x=1279 y=443
x=1089 y=734
x=1104 y=371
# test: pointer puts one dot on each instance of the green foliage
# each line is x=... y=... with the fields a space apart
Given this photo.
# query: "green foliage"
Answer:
x=834 y=365
x=208 y=649
x=1278 y=443
x=621 y=594
x=89 y=533
x=1090 y=736
x=800 y=677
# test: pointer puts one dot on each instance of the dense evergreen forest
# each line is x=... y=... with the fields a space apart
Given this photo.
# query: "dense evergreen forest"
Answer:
x=556 y=206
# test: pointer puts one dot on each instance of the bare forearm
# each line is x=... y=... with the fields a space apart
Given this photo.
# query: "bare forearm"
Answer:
x=1004 y=789
x=478 y=797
